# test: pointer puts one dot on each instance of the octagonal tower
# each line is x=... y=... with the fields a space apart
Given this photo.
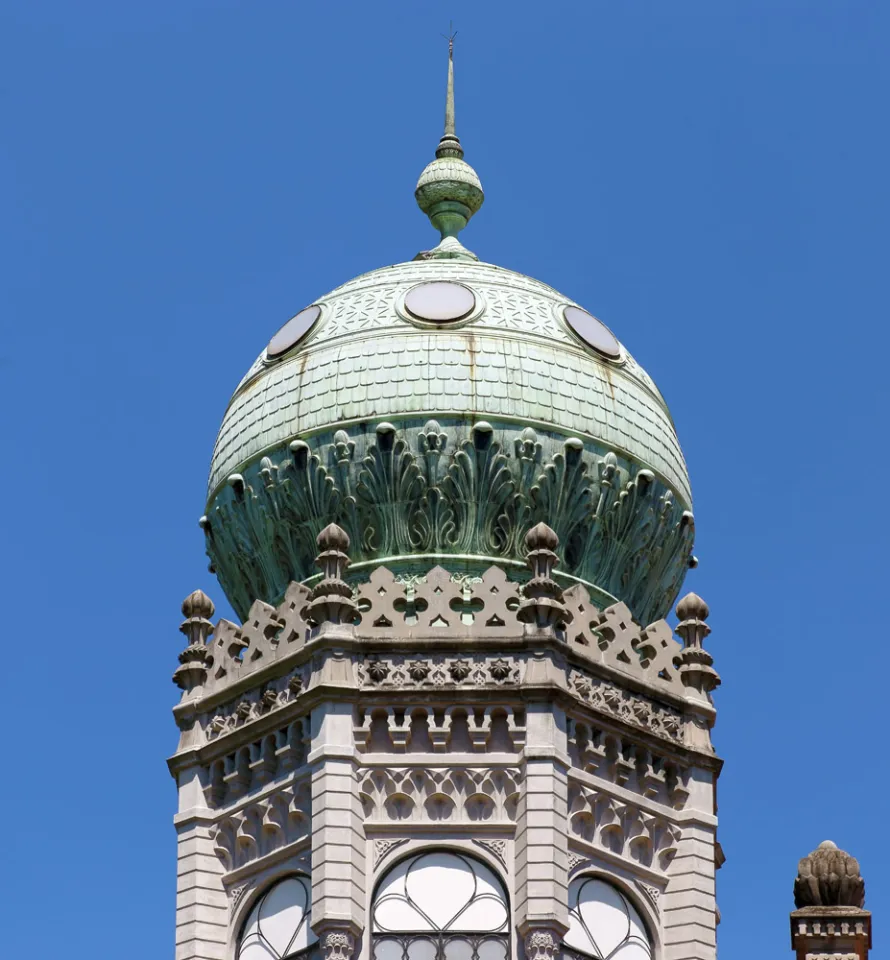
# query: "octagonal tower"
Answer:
x=451 y=511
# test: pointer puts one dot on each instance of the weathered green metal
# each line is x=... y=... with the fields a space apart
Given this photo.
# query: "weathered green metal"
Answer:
x=450 y=441
x=449 y=191
x=427 y=441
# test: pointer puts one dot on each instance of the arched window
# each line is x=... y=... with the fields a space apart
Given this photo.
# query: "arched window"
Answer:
x=440 y=906
x=278 y=925
x=604 y=924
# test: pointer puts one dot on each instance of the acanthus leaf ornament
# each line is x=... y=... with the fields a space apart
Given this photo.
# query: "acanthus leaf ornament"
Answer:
x=399 y=492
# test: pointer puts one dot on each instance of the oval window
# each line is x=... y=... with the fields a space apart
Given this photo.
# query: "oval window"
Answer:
x=293 y=331
x=440 y=301
x=593 y=332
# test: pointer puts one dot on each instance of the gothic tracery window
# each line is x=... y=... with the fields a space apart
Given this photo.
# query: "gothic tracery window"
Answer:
x=440 y=906
x=278 y=925
x=604 y=924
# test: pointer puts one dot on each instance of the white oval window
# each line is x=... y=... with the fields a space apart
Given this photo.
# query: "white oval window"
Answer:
x=604 y=924
x=293 y=331
x=593 y=332
x=278 y=925
x=440 y=301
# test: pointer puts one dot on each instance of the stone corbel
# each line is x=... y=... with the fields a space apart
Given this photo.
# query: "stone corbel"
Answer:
x=543 y=943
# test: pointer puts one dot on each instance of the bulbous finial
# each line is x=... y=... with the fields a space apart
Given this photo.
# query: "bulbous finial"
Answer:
x=449 y=191
x=197 y=604
x=692 y=607
x=829 y=877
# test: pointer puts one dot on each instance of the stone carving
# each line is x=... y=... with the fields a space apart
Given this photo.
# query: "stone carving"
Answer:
x=337 y=945
x=627 y=706
x=653 y=893
x=829 y=877
x=256 y=703
x=613 y=637
x=440 y=794
x=384 y=847
x=696 y=670
x=431 y=491
x=542 y=945
x=396 y=672
x=627 y=764
x=542 y=608
x=576 y=860
x=331 y=602
x=263 y=827
x=622 y=828
x=236 y=895
x=496 y=847
x=194 y=661
x=441 y=605
x=251 y=766
x=440 y=730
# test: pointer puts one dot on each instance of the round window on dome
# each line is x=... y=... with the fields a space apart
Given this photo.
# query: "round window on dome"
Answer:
x=440 y=301
x=593 y=332
x=295 y=330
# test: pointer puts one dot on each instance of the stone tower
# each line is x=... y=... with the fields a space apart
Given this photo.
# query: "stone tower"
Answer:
x=452 y=512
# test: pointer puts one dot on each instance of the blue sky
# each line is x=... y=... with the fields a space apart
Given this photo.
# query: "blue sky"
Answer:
x=178 y=178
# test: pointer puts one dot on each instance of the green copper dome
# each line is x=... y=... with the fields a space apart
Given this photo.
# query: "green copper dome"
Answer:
x=438 y=409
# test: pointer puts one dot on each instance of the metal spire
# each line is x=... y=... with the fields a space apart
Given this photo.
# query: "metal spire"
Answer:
x=449 y=191
x=449 y=145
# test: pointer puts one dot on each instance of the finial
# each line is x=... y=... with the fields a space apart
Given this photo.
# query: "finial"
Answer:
x=331 y=599
x=829 y=877
x=449 y=191
x=543 y=607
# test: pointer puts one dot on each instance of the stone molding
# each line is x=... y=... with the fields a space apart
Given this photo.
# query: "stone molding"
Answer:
x=471 y=796
x=624 y=829
x=264 y=826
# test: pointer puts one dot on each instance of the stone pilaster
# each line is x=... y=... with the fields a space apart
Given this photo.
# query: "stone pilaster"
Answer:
x=338 y=840
x=202 y=912
x=541 y=842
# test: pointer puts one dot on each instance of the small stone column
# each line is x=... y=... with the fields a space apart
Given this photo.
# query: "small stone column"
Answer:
x=689 y=906
x=541 y=842
x=202 y=913
x=829 y=893
x=338 y=841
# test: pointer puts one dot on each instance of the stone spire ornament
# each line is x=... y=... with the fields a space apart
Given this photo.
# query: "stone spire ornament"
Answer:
x=829 y=893
x=197 y=608
x=449 y=191
x=829 y=877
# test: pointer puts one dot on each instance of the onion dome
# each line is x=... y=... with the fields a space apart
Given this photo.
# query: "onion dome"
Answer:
x=438 y=409
x=829 y=877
